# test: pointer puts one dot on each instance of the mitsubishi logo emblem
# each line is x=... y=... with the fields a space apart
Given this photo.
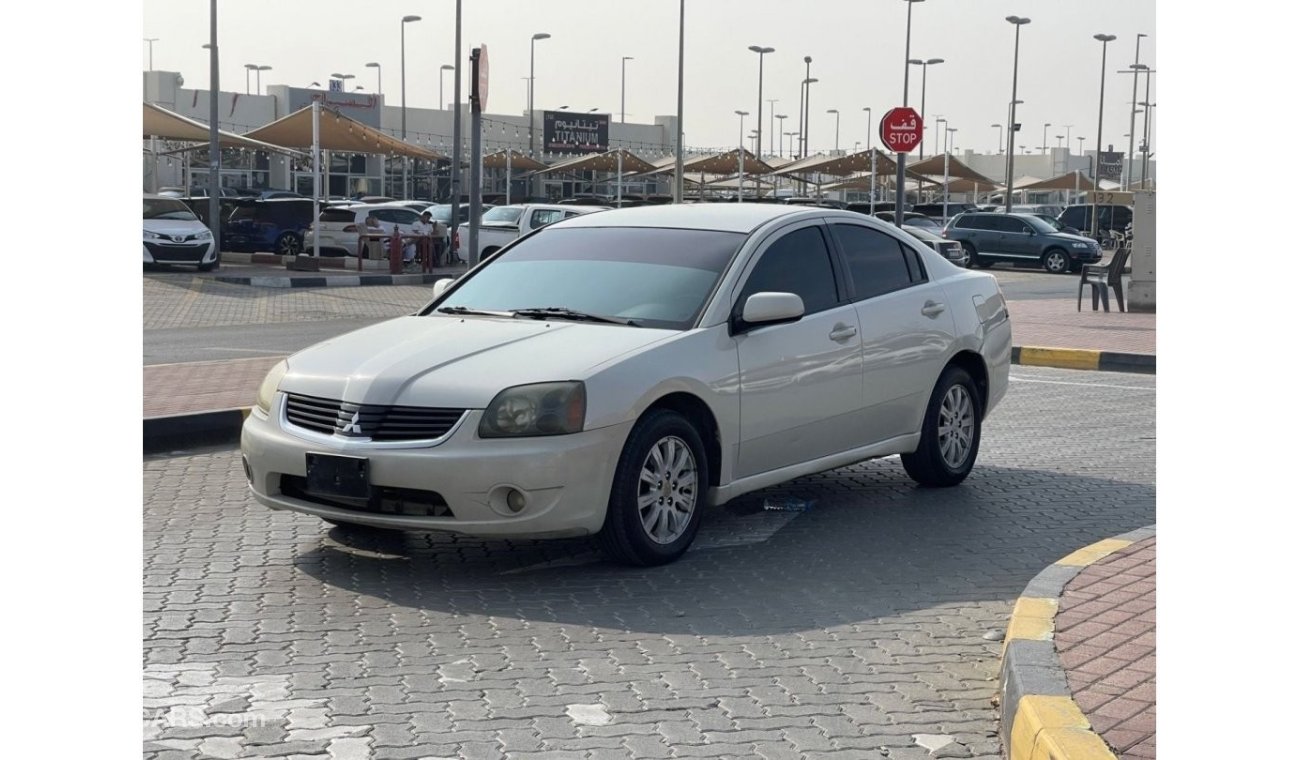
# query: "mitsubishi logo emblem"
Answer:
x=354 y=425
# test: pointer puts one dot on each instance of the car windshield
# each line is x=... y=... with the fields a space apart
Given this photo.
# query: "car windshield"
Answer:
x=1039 y=225
x=165 y=208
x=1051 y=222
x=504 y=214
x=920 y=233
x=923 y=222
x=656 y=277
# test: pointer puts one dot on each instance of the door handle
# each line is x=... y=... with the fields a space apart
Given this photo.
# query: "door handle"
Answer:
x=842 y=332
x=932 y=309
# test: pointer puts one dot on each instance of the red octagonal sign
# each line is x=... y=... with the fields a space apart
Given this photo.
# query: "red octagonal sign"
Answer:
x=900 y=129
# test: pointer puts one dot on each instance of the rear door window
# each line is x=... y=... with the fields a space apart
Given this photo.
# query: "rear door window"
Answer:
x=338 y=216
x=877 y=264
x=543 y=217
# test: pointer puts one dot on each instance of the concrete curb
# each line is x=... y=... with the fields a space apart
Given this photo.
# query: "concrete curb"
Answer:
x=180 y=430
x=1040 y=720
x=1079 y=358
x=334 y=280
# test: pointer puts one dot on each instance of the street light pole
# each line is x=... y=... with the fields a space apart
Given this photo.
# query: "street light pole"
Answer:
x=1147 y=105
x=947 y=155
x=807 y=110
x=771 y=124
x=1132 y=117
x=532 y=121
x=249 y=68
x=379 y=73
x=1000 y=143
x=901 y=158
x=1018 y=22
x=836 y=111
x=622 y=98
x=925 y=68
x=1067 y=135
x=803 y=115
x=406 y=161
x=1104 y=39
x=868 y=110
x=780 y=149
x=678 y=179
x=1045 y=126
x=758 y=118
x=214 y=144
x=740 y=152
x=442 y=83
x=151 y=41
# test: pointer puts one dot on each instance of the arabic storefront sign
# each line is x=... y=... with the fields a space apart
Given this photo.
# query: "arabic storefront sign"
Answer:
x=363 y=107
x=900 y=129
x=565 y=132
x=1110 y=166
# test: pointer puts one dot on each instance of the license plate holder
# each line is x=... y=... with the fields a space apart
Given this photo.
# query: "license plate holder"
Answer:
x=344 y=476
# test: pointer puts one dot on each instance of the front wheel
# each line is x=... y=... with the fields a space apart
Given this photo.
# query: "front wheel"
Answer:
x=288 y=244
x=657 y=493
x=1056 y=261
x=973 y=257
x=950 y=433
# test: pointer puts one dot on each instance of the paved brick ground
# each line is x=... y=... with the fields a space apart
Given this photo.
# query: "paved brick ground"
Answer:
x=853 y=630
x=1106 y=638
x=1054 y=323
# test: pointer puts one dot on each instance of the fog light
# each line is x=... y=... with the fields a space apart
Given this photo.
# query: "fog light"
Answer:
x=515 y=501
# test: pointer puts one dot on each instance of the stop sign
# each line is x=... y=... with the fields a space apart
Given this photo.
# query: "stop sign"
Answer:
x=900 y=129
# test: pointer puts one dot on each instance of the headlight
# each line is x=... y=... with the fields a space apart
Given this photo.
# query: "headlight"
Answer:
x=152 y=235
x=204 y=235
x=1084 y=246
x=266 y=393
x=540 y=409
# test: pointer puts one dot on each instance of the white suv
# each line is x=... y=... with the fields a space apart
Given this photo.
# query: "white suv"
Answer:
x=340 y=226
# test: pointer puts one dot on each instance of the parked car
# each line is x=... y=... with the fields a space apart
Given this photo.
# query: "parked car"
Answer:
x=275 y=225
x=200 y=205
x=174 y=235
x=935 y=210
x=949 y=249
x=1110 y=217
x=615 y=374
x=821 y=202
x=911 y=219
x=340 y=227
x=1047 y=209
x=1020 y=239
x=503 y=224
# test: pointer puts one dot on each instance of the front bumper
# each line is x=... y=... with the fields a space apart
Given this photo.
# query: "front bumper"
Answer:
x=1081 y=256
x=203 y=252
x=565 y=480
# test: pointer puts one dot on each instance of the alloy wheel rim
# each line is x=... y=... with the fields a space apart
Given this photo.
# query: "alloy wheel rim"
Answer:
x=667 y=490
x=956 y=426
x=1056 y=262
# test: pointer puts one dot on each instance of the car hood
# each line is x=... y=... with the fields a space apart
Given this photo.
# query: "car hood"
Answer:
x=1067 y=237
x=174 y=226
x=459 y=362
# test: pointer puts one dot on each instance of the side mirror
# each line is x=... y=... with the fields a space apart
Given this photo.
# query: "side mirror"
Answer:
x=768 y=308
x=441 y=286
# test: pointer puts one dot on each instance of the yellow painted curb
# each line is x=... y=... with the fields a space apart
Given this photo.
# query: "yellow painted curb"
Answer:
x=1063 y=358
x=1070 y=744
x=1032 y=618
x=1053 y=728
x=1090 y=554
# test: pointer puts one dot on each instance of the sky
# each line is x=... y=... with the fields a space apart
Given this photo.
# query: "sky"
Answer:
x=857 y=49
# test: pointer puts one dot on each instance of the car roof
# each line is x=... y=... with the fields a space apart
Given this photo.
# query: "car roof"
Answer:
x=723 y=217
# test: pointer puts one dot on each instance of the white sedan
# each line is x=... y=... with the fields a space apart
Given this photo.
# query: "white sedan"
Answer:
x=612 y=374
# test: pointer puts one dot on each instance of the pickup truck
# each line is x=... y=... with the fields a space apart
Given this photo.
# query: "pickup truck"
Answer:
x=501 y=224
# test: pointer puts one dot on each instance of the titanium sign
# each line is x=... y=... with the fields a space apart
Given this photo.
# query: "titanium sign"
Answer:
x=1110 y=166
x=565 y=132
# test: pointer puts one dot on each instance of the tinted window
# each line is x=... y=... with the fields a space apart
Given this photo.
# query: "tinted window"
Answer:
x=338 y=215
x=244 y=212
x=972 y=222
x=800 y=263
x=505 y=214
x=290 y=212
x=876 y=261
x=166 y=208
x=1005 y=224
x=543 y=217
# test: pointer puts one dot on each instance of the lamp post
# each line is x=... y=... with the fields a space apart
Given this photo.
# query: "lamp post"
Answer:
x=532 y=131
x=947 y=153
x=793 y=139
x=836 y=111
x=1147 y=105
x=1018 y=22
x=259 y=71
x=807 y=100
x=771 y=124
x=758 y=118
x=249 y=68
x=406 y=161
x=1045 y=126
x=901 y=158
x=740 y=178
x=622 y=98
x=943 y=143
x=925 y=67
x=442 y=82
x=379 y=72
x=151 y=41
x=780 y=148
x=344 y=77
x=868 y=110
x=803 y=105
x=214 y=144
x=1067 y=135
x=678 y=179
x=1132 y=118
x=1000 y=143
x=1104 y=39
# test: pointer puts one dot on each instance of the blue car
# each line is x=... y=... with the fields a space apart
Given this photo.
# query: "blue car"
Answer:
x=274 y=225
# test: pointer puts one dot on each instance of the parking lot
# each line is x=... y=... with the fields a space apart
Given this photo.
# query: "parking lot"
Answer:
x=866 y=626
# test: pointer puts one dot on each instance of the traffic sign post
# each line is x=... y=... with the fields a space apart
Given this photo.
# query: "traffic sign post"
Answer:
x=477 y=102
x=900 y=130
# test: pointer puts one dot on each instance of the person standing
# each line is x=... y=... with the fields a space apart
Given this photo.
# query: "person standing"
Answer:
x=424 y=228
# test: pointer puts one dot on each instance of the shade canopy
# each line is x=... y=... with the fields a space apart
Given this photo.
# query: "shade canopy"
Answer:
x=841 y=166
x=1062 y=182
x=726 y=163
x=337 y=132
x=971 y=186
x=933 y=166
x=169 y=125
x=517 y=160
x=602 y=162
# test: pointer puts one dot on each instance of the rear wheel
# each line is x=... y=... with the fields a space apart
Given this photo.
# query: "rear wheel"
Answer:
x=975 y=261
x=950 y=433
x=658 y=492
x=288 y=244
x=1056 y=261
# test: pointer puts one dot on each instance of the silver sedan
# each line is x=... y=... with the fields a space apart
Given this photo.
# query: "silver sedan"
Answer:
x=615 y=373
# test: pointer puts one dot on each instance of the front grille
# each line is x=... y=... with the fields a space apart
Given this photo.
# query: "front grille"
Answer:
x=371 y=421
x=384 y=500
x=184 y=253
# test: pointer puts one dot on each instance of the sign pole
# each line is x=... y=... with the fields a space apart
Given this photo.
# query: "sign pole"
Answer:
x=509 y=153
x=315 y=177
x=620 y=178
x=475 y=157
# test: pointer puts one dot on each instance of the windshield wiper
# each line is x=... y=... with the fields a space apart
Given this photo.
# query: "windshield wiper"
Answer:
x=560 y=312
x=468 y=310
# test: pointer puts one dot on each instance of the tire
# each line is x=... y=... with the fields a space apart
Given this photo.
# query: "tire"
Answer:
x=928 y=465
x=974 y=255
x=288 y=244
x=660 y=535
x=1056 y=261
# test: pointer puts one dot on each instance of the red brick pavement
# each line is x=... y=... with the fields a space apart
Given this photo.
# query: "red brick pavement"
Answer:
x=203 y=386
x=1106 y=639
